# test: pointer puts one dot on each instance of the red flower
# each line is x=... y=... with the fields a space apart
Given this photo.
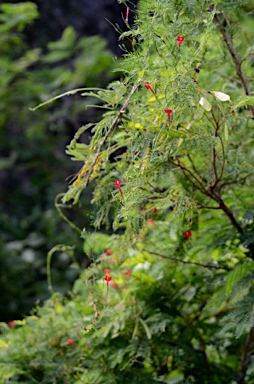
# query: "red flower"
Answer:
x=127 y=273
x=155 y=210
x=69 y=342
x=143 y=208
x=134 y=300
x=114 y=285
x=130 y=41
x=117 y=184
x=106 y=271
x=150 y=221
x=180 y=40
x=12 y=323
x=127 y=13
x=168 y=111
x=187 y=234
x=109 y=251
x=148 y=86
x=107 y=279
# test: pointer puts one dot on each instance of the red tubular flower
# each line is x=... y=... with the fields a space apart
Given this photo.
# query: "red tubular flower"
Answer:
x=127 y=14
x=131 y=42
x=11 y=323
x=114 y=285
x=109 y=252
x=69 y=342
x=168 y=112
x=106 y=271
x=187 y=234
x=180 y=40
x=107 y=279
x=148 y=86
x=155 y=210
x=127 y=273
x=117 y=184
x=150 y=221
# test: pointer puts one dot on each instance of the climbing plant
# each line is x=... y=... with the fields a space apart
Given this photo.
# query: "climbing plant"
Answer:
x=169 y=296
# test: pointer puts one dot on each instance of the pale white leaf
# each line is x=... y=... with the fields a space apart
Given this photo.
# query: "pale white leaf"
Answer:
x=221 y=96
x=205 y=104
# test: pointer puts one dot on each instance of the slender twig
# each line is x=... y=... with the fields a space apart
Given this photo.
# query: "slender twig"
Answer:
x=216 y=196
x=210 y=191
x=246 y=357
x=185 y=170
x=195 y=169
x=209 y=119
x=207 y=207
x=214 y=150
x=223 y=157
x=209 y=266
x=96 y=313
x=225 y=183
x=217 y=123
x=214 y=166
x=231 y=78
x=235 y=59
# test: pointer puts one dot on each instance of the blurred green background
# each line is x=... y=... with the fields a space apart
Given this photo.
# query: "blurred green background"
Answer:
x=46 y=48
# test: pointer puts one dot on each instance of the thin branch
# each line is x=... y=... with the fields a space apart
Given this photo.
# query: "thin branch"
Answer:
x=185 y=170
x=235 y=59
x=209 y=266
x=217 y=126
x=231 y=78
x=207 y=207
x=195 y=169
x=214 y=166
x=223 y=157
x=235 y=181
x=209 y=119
x=246 y=357
x=216 y=196
x=96 y=313
x=211 y=192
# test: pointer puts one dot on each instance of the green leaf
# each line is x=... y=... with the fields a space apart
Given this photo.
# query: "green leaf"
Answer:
x=146 y=328
x=239 y=272
x=243 y=102
x=143 y=277
x=95 y=243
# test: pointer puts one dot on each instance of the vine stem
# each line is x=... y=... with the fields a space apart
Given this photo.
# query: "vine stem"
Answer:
x=209 y=266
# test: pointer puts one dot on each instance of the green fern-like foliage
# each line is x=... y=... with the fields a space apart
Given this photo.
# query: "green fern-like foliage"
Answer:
x=168 y=297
